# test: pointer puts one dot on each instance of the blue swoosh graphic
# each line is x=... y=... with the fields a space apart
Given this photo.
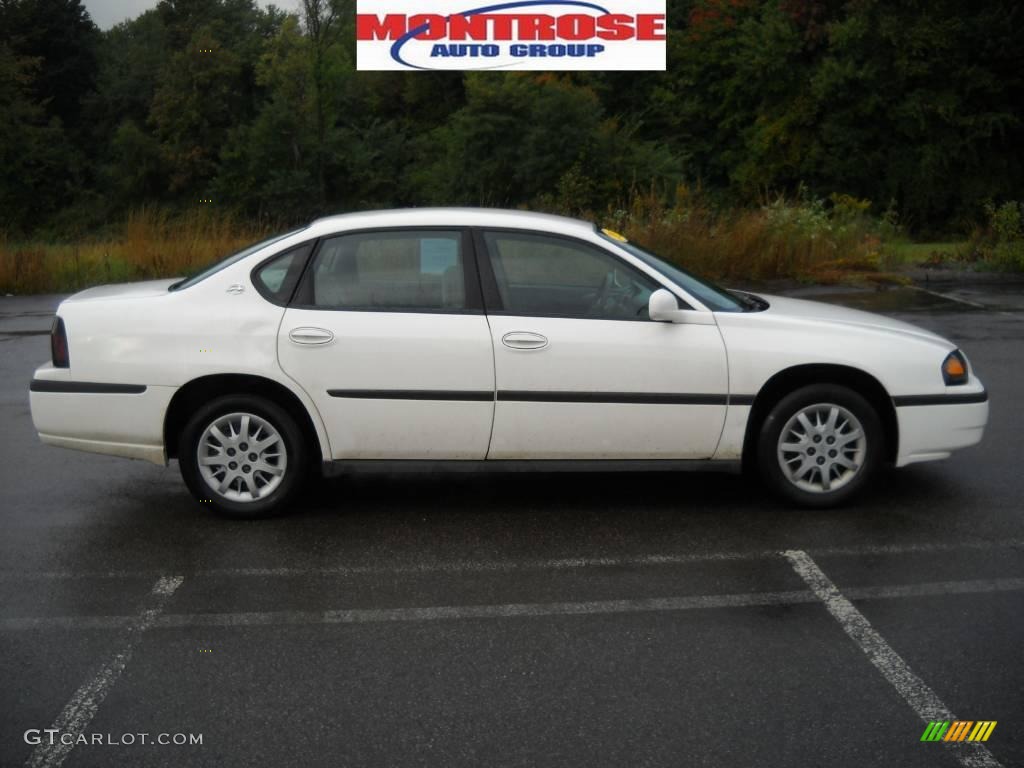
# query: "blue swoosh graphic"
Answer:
x=396 y=49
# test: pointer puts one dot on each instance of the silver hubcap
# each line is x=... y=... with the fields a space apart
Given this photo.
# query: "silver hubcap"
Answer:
x=822 y=448
x=242 y=457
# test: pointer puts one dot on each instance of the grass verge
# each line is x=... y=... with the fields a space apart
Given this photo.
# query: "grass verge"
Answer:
x=814 y=241
x=151 y=244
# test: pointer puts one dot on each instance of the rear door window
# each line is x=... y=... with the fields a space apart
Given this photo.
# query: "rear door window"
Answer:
x=405 y=271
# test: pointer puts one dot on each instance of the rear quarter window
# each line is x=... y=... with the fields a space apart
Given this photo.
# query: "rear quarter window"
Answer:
x=276 y=279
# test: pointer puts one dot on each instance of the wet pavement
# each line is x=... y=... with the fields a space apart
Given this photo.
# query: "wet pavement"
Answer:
x=932 y=297
x=483 y=619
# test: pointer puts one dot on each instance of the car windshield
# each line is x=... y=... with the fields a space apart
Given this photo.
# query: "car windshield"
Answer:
x=229 y=260
x=714 y=298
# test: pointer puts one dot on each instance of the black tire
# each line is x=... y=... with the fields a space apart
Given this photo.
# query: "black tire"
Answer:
x=295 y=470
x=770 y=466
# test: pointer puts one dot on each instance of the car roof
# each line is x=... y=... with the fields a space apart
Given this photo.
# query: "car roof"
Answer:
x=452 y=217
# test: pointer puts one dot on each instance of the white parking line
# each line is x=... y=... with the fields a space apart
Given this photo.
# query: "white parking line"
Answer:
x=922 y=699
x=80 y=710
x=425 y=613
x=507 y=610
x=949 y=297
x=501 y=566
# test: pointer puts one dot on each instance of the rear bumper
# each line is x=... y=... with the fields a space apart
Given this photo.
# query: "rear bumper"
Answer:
x=113 y=419
x=154 y=454
x=931 y=429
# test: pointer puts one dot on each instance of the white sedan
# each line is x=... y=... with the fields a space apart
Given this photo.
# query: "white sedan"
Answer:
x=495 y=339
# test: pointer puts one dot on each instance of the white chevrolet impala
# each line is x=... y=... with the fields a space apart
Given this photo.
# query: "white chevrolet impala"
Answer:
x=483 y=338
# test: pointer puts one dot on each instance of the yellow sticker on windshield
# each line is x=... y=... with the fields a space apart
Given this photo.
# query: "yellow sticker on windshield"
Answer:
x=615 y=235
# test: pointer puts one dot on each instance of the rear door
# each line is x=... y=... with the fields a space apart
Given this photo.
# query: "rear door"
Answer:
x=387 y=335
x=581 y=370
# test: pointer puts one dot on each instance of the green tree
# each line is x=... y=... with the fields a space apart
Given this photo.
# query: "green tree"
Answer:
x=322 y=22
x=268 y=166
x=34 y=152
x=521 y=137
x=914 y=102
x=195 y=106
x=207 y=87
x=920 y=102
x=60 y=34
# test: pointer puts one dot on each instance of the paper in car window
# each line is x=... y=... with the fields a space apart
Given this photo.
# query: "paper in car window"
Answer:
x=437 y=254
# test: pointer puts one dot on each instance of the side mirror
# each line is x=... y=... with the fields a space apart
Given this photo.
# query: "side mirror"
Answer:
x=663 y=307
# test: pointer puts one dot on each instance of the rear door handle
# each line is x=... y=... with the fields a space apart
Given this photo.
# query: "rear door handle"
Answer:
x=311 y=336
x=524 y=340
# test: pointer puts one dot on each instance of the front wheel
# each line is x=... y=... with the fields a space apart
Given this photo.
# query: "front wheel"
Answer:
x=820 y=445
x=243 y=455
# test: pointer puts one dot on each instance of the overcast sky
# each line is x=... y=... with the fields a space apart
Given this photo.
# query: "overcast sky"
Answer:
x=107 y=13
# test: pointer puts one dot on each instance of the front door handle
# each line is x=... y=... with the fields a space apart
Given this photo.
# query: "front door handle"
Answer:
x=310 y=336
x=524 y=340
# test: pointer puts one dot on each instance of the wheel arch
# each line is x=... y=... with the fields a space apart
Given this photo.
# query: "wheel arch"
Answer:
x=791 y=379
x=203 y=389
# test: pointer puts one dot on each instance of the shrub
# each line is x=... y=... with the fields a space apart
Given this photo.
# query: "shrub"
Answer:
x=1000 y=244
x=805 y=238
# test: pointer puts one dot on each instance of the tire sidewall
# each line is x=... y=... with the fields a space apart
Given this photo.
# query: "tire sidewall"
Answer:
x=767 y=457
x=274 y=503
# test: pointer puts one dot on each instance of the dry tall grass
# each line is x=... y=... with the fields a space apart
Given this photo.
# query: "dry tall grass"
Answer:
x=783 y=239
x=151 y=244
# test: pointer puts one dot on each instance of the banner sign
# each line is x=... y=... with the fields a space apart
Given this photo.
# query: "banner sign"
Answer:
x=511 y=36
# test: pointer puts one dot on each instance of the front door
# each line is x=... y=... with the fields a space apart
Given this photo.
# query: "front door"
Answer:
x=581 y=371
x=388 y=337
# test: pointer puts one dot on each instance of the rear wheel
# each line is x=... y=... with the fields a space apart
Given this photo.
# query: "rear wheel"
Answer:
x=243 y=455
x=820 y=445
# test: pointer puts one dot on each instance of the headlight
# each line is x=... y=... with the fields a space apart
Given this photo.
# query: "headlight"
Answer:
x=954 y=369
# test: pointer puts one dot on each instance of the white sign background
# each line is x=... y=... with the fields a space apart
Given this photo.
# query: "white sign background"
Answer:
x=617 y=54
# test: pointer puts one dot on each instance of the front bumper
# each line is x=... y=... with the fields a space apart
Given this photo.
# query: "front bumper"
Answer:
x=930 y=429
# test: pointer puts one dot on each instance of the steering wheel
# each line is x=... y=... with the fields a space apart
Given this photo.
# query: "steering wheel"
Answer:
x=613 y=298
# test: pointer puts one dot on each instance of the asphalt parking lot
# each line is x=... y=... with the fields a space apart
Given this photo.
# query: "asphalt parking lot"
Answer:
x=533 y=620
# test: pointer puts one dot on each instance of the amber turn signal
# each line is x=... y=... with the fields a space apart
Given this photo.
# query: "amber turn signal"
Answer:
x=954 y=369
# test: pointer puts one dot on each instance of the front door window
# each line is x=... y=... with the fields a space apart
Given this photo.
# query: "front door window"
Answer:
x=557 y=277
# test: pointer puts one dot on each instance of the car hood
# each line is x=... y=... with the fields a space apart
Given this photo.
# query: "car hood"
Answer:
x=126 y=290
x=818 y=312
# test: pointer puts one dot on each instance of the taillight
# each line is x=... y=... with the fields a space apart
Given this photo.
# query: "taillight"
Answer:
x=59 y=344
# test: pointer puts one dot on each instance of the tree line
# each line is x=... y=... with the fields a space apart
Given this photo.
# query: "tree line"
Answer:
x=914 y=105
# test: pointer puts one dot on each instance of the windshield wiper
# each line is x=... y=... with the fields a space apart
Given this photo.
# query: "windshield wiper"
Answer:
x=748 y=300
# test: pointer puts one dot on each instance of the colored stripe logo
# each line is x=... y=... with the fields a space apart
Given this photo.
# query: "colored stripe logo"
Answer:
x=958 y=730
